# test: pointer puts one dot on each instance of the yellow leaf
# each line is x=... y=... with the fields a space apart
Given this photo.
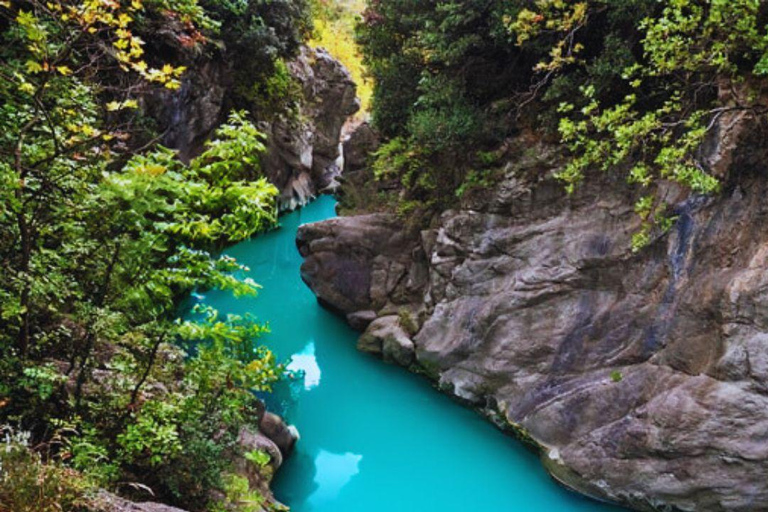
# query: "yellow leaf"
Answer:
x=33 y=66
x=5 y=3
x=167 y=69
x=116 y=105
x=140 y=66
x=64 y=70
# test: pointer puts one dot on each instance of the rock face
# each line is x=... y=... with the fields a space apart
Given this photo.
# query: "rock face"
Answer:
x=303 y=150
x=362 y=141
x=643 y=377
x=189 y=115
x=304 y=156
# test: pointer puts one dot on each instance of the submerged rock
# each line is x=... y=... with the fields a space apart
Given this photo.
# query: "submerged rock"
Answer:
x=642 y=377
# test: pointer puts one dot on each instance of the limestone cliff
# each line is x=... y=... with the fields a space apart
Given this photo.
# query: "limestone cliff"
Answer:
x=642 y=377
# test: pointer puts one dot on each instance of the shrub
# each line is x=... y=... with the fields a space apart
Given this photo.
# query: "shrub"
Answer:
x=28 y=484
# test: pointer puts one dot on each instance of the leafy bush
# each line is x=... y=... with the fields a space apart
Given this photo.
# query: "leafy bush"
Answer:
x=438 y=69
x=693 y=60
x=629 y=86
x=259 y=36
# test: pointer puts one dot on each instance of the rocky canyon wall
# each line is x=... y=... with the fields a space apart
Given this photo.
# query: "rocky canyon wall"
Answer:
x=641 y=377
x=303 y=154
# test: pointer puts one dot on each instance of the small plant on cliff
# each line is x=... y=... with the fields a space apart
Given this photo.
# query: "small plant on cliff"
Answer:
x=406 y=321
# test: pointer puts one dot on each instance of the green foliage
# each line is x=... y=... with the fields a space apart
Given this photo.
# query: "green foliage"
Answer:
x=258 y=457
x=259 y=36
x=406 y=321
x=691 y=52
x=616 y=376
x=630 y=86
x=98 y=246
x=238 y=493
x=278 y=93
x=438 y=69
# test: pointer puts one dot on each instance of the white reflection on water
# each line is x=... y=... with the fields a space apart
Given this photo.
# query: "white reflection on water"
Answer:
x=333 y=472
x=306 y=363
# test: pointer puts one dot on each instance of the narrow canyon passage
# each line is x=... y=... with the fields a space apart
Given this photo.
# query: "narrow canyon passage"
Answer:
x=374 y=437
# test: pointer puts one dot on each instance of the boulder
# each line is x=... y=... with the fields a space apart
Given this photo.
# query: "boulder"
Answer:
x=354 y=263
x=386 y=337
x=276 y=430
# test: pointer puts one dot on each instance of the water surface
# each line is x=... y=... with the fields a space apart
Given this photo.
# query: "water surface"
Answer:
x=375 y=438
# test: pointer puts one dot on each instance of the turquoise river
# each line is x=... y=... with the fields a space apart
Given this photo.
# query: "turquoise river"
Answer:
x=373 y=436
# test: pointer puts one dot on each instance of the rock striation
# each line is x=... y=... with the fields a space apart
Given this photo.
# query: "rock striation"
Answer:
x=641 y=377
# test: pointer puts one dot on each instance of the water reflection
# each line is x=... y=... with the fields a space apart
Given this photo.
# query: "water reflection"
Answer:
x=305 y=364
x=333 y=472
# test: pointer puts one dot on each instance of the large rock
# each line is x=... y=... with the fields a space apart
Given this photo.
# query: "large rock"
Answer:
x=642 y=377
x=304 y=154
x=356 y=263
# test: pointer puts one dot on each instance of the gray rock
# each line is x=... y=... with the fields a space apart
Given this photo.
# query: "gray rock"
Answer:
x=108 y=502
x=642 y=377
x=304 y=157
x=356 y=262
x=360 y=320
x=358 y=147
x=386 y=337
x=273 y=426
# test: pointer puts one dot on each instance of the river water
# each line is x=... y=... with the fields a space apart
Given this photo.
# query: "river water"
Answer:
x=374 y=437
